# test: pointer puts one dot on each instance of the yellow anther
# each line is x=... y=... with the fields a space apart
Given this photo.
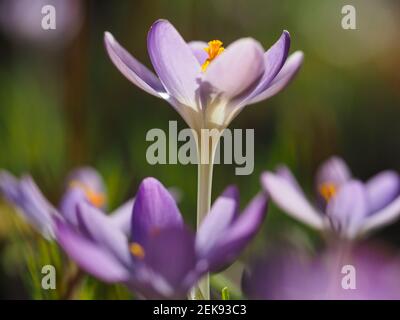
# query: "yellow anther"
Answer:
x=95 y=198
x=137 y=250
x=327 y=190
x=214 y=49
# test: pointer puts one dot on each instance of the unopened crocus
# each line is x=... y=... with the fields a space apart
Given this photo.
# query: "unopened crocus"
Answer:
x=83 y=184
x=207 y=84
x=362 y=273
x=161 y=258
x=343 y=205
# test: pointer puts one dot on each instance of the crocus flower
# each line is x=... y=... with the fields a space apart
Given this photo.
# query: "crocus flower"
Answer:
x=343 y=204
x=83 y=184
x=161 y=258
x=363 y=273
x=205 y=83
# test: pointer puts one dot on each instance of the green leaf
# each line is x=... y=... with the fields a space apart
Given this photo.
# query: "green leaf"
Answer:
x=225 y=293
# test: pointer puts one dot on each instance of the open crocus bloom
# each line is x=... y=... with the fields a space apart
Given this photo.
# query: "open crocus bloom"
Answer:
x=207 y=84
x=83 y=184
x=362 y=273
x=161 y=258
x=344 y=205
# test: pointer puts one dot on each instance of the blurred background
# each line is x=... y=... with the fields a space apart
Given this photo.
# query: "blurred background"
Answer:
x=63 y=104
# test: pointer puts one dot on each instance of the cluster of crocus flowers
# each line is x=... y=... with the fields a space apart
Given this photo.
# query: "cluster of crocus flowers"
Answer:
x=144 y=243
x=160 y=257
x=344 y=205
x=82 y=184
x=208 y=85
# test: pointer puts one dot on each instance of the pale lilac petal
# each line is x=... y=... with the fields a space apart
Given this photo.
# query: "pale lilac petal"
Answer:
x=332 y=173
x=348 y=209
x=9 y=186
x=382 y=189
x=88 y=177
x=238 y=236
x=153 y=210
x=217 y=221
x=236 y=69
x=198 y=50
x=274 y=60
x=97 y=226
x=91 y=257
x=69 y=204
x=132 y=69
x=387 y=215
x=287 y=73
x=334 y=170
x=285 y=173
x=174 y=62
x=291 y=201
x=122 y=216
x=30 y=201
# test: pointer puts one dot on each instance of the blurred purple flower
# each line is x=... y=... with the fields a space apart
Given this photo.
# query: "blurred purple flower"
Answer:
x=205 y=83
x=345 y=205
x=161 y=258
x=293 y=275
x=22 y=19
x=83 y=184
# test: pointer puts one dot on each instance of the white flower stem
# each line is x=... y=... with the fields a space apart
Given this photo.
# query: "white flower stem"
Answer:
x=203 y=207
x=204 y=186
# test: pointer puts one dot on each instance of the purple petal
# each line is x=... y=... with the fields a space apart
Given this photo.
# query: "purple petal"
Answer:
x=331 y=174
x=291 y=200
x=238 y=236
x=97 y=226
x=171 y=258
x=334 y=170
x=236 y=69
x=387 y=215
x=382 y=189
x=174 y=62
x=154 y=209
x=69 y=204
x=9 y=186
x=198 y=51
x=274 y=60
x=132 y=69
x=217 y=221
x=287 y=73
x=122 y=216
x=283 y=275
x=26 y=195
x=348 y=208
x=90 y=256
x=88 y=177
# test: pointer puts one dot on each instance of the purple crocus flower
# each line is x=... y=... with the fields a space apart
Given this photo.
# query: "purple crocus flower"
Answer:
x=360 y=273
x=205 y=83
x=161 y=258
x=344 y=205
x=83 y=184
